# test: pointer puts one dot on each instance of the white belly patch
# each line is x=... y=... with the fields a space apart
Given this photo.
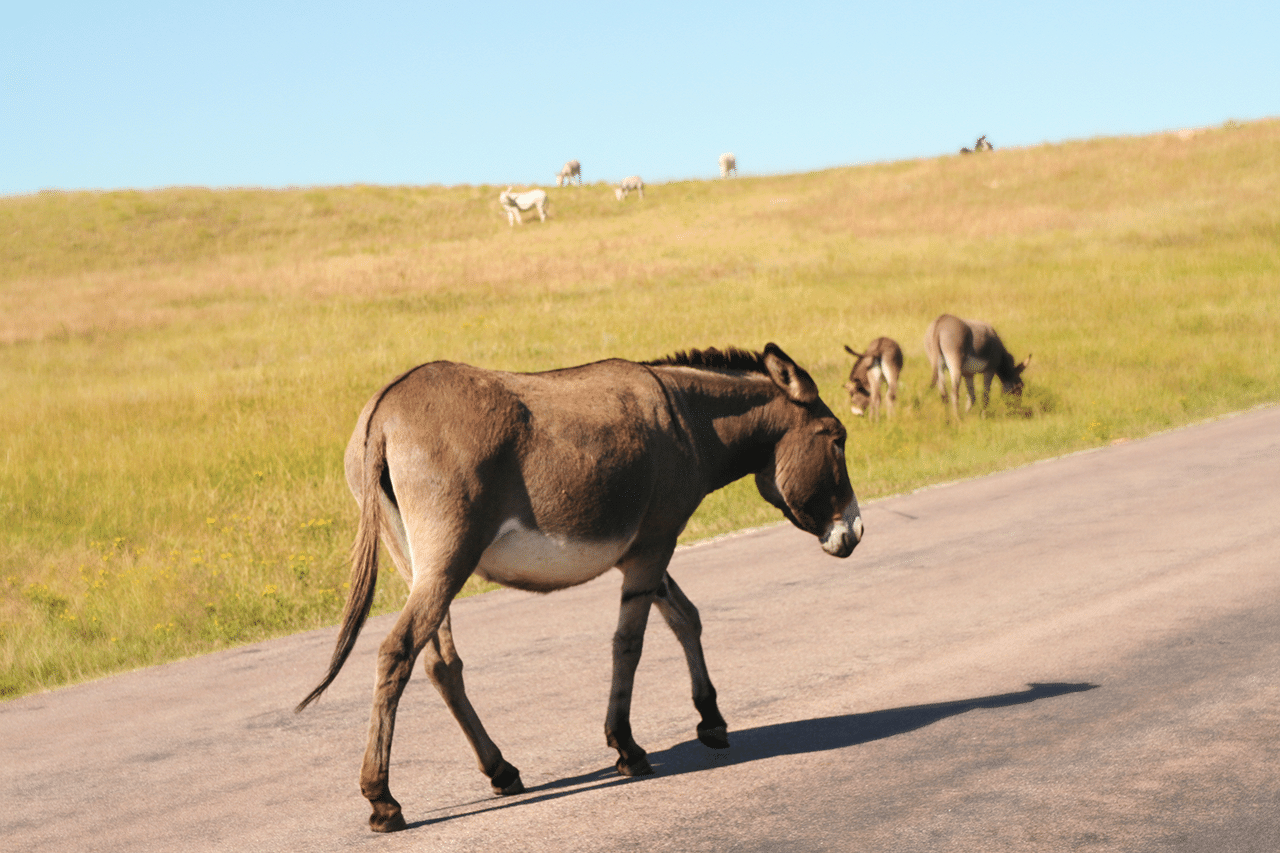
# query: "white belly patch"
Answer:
x=532 y=559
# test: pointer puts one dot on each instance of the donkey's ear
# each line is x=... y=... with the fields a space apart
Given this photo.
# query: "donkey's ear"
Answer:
x=1026 y=361
x=789 y=376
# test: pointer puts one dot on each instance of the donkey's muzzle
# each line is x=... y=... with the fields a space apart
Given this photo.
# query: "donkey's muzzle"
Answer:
x=842 y=537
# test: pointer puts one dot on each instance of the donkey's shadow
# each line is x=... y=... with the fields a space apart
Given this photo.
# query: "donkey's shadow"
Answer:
x=793 y=738
x=827 y=733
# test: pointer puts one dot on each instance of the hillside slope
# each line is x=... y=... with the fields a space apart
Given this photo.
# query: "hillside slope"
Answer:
x=180 y=369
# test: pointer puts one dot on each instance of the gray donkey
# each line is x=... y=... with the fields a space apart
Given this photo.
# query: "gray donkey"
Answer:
x=541 y=481
x=966 y=348
x=882 y=362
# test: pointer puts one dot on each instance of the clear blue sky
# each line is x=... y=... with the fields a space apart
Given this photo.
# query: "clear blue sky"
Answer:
x=147 y=94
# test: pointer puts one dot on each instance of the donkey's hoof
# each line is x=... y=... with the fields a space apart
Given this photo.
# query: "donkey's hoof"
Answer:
x=507 y=782
x=639 y=767
x=716 y=737
x=387 y=821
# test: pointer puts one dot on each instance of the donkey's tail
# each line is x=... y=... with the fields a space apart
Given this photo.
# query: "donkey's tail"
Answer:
x=364 y=564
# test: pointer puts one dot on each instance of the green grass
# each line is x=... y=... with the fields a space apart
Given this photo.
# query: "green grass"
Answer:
x=180 y=369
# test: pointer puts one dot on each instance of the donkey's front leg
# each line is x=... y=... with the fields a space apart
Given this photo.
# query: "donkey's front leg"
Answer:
x=986 y=388
x=682 y=617
x=628 y=642
x=444 y=668
x=968 y=386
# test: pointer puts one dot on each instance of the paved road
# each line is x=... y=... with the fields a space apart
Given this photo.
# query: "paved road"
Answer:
x=1082 y=654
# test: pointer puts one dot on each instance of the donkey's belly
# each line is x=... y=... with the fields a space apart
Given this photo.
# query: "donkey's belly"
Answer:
x=534 y=560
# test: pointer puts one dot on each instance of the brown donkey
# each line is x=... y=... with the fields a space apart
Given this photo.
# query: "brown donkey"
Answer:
x=545 y=480
x=882 y=362
x=966 y=348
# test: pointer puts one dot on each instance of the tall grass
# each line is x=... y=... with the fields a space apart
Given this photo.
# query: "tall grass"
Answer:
x=180 y=369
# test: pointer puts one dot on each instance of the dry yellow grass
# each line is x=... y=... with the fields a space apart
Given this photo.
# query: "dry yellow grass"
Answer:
x=179 y=369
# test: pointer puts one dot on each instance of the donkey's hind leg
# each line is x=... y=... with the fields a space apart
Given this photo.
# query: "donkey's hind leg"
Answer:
x=682 y=617
x=891 y=375
x=423 y=614
x=444 y=668
x=413 y=630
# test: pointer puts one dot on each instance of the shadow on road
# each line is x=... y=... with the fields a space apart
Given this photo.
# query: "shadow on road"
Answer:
x=846 y=730
x=794 y=738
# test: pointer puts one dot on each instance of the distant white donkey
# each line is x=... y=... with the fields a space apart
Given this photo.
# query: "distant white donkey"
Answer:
x=965 y=348
x=728 y=163
x=627 y=185
x=513 y=203
x=568 y=172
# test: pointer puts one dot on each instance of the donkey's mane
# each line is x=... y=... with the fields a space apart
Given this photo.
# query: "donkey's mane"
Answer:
x=715 y=359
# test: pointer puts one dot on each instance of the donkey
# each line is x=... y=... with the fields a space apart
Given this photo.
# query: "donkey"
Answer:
x=966 y=348
x=569 y=171
x=631 y=184
x=513 y=203
x=981 y=145
x=541 y=481
x=882 y=362
x=728 y=165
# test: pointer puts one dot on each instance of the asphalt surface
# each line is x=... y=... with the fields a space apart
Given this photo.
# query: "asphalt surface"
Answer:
x=1081 y=654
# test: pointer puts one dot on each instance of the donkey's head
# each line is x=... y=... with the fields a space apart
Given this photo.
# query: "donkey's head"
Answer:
x=857 y=385
x=859 y=397
x=806 y=476
x=1011 y=374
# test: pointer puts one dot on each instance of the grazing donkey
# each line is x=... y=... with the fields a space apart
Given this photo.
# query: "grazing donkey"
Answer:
x=882 y=362
x=966 y=348
x=728 y=163
x=627 y=185
x=513 y=203
x=981 y=145
x=568 y=172
x=541 y=481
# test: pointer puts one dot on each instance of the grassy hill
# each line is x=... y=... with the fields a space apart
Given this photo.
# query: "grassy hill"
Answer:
x=180 y=369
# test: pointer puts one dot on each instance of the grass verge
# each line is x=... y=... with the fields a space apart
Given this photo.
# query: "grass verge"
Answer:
x=180 y=369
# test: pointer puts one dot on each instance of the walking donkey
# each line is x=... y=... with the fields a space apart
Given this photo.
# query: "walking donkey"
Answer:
x=542 y=481
x=882 y=362
x=966 y=348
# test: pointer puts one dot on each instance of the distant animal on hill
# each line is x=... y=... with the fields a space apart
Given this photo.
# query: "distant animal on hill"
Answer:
x=728 y=163
x=570 y=170
x=966 y=348
x=882 y=362
x=981 y=145
x=627 y=185
x=513 y=203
